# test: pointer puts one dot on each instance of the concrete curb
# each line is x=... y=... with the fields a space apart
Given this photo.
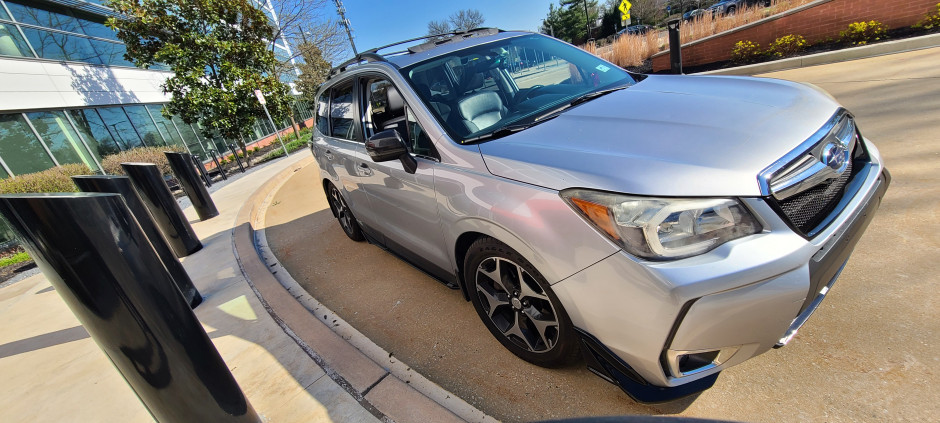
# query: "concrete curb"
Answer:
x=880 y=49
x=386 y=387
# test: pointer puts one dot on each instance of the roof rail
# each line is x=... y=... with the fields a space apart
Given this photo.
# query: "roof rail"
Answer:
x=367 y=56
x=454 y=33
x=455 y=37
x=372 y=55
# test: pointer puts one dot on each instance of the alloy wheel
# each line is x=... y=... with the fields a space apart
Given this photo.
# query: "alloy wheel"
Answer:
x=517 y=305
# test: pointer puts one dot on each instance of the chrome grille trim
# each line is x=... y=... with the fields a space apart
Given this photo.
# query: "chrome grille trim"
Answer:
x=781 y=166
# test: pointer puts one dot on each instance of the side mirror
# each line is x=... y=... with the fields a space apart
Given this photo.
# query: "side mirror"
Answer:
x=388 y=145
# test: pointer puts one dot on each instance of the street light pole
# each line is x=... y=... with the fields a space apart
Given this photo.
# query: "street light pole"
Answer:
x=342 y=19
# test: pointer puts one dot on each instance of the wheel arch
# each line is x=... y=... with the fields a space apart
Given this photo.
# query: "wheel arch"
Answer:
x=326 y=191
x=473 y=229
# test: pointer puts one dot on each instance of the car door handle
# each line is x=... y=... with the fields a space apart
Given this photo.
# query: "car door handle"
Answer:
x=328 y=154
x=364 y=170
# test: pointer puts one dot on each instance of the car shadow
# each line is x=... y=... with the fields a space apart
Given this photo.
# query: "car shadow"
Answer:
x=432 y=328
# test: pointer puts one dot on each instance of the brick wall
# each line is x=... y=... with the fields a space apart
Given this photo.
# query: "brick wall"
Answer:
x=819 y=21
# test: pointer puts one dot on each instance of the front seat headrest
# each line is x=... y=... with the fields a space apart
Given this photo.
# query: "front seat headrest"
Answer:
x=395 y=102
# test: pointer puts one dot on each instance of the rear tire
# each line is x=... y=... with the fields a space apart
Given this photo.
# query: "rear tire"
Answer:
x=517 y=305
x=343 y=214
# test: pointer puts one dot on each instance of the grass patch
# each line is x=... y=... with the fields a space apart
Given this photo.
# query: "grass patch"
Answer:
x=19 y=257
x=291 y=147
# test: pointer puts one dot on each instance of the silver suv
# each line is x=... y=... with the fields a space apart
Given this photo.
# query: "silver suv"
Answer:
x=663 y=228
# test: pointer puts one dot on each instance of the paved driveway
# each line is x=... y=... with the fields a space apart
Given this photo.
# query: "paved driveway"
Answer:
x=868 y=354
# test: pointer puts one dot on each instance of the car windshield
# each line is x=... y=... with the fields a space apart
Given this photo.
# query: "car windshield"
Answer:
x=477 y=91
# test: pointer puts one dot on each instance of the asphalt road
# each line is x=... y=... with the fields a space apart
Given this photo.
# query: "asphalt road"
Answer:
x=868 y=354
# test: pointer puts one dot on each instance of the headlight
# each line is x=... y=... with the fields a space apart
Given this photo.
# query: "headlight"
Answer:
x=663 y=228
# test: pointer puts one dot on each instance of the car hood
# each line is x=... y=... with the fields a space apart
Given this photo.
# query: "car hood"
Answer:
x=667 y=136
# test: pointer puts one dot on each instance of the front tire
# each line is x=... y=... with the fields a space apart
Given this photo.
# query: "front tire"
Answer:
x=517 y=305
x=343 y=214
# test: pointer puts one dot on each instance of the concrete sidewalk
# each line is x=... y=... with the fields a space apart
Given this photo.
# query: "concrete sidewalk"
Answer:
x=52 y=371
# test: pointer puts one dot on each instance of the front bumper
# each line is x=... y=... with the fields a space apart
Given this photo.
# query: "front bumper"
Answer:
x=750 y=295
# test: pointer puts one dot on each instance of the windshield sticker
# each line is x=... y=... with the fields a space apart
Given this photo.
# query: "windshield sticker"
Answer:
x=602 y=68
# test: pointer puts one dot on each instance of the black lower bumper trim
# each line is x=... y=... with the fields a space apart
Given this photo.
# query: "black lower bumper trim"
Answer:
x=611 y=368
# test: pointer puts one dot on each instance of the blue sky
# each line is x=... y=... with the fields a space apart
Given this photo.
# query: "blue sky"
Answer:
x=380 y=22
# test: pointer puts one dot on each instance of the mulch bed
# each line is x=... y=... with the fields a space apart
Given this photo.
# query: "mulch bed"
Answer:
x=822 y=47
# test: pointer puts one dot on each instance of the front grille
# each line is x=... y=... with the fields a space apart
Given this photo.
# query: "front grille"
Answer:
x=809 y=208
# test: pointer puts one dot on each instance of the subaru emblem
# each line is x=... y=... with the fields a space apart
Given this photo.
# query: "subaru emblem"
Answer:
x=835 y=156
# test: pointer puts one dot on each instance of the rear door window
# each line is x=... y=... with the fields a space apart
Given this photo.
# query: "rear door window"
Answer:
x=342 y=116
x=323 y=113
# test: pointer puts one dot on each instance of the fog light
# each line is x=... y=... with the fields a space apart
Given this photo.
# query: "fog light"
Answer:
x=687 y=363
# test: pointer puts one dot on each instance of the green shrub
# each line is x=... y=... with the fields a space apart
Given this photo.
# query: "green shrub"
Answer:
x=861 y=33
x=787 y=45
x=14 y=259
x=112 y=163
x=57 y=179
x=746 y=52
x=273 y=154
x=931 y=21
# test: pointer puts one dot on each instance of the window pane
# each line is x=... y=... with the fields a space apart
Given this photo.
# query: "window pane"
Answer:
x=97 y=29
x=94 y=131
x=256 y=131
x=189 y=137
x=55 y=130
x=116 y=122
x=47 y=15
x=49 y=45
x=6 y=234
x=165 y=126
x=144 y=125
x=111 y=53
x=418 y=141
x=20 y=148
x=382 y=114
x=12 y=43
x=341 y=114
x=323 y=120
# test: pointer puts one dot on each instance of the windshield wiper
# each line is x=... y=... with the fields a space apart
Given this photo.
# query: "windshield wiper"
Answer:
x=504 y=131
x=513 y=128
x=583 y=98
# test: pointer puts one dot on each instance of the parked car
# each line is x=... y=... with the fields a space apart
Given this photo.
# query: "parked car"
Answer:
x=664 y=228
x=635 y=30
x=729 y=7
x=690 y=15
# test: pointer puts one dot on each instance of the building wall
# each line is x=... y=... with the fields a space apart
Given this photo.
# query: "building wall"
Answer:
x=816 y=21
x=67 y=95
x=37 y=84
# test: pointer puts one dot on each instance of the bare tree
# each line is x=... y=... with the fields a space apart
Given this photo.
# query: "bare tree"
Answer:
x=466 y=19
x=648 y=11
x=436 y=28
x=461 y=20
x=307 y=21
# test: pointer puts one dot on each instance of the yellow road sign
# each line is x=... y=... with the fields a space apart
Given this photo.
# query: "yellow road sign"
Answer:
x=625 y=8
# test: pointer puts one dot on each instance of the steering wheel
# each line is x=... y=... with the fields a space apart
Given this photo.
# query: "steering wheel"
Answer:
x=526 y=94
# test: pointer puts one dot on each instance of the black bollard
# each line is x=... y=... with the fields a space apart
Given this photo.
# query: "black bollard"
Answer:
x=179 y=234
x=237 y=159
x=675 y=46
x=202 y=170
x=122 y=185
x=182 y=165
x=101 y=263
x=218 y=164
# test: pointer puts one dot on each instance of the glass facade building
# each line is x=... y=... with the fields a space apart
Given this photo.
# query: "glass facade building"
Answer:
x=67 y=95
